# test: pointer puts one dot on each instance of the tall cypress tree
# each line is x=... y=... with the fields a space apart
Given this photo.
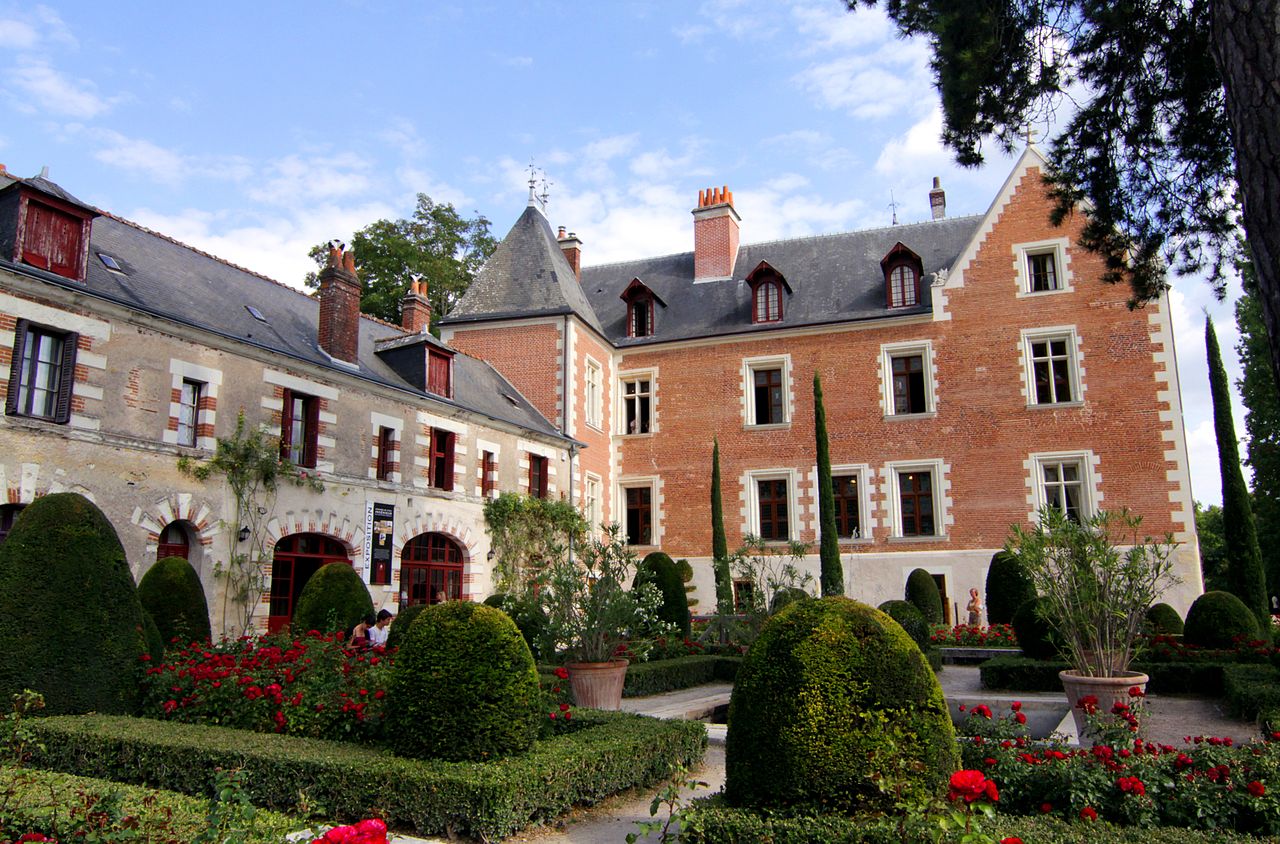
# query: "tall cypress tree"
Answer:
x=832 y=578
x=719 y=543
x=1244 y=558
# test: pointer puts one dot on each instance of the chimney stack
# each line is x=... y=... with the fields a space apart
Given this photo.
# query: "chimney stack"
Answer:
x=340 y=305
x=415 y=309
x=715 y=234
x=938 y=199
x=571 y=246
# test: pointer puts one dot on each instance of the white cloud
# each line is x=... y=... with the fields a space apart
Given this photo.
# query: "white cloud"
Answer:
x=919 y=150
x=141 y=156
x=28 y=31
x=835 y=28
x=294 y=180
x=17 y=35
x=56 y=93
x=875 y=85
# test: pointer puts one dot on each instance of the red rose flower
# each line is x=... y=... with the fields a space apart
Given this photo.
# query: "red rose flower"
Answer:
x=1088 y=813
x=1046 y=808
x=1012 y=839
x=1136 y=691
x=562 y=673
x=1020 y=717
x=1256 y=788
x=970 y=786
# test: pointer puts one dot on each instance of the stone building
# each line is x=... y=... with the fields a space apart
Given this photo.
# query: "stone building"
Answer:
x=127 y=351
x=974 y=368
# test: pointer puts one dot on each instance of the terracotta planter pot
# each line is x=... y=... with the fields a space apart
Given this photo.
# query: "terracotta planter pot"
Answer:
x=597 y=685
x=1108 y=690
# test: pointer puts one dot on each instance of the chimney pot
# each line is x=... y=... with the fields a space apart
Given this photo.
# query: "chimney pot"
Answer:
x=938 y=199
x=560 y=234
x=715 y=234
x=339 y=330
x=415 y=308
x=571 y=246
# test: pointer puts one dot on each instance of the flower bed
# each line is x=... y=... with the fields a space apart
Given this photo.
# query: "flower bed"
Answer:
x=600 y=755
x=974 y=636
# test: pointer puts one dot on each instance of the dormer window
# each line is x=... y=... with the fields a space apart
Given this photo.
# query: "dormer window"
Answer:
x=640 y=300
x=902 y=272
x=440 y=373
x=51 y=235
x=767 y=285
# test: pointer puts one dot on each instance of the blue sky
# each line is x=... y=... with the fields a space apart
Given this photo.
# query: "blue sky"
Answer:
x=254 y=131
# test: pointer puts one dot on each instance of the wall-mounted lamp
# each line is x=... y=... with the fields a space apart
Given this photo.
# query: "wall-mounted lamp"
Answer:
x=244 y=533
x=491 y=555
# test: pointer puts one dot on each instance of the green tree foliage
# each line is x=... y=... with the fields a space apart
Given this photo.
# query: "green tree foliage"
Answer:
x=71 y=625
x=1244 y=558
x=527 y=613
x=333 y=598
x=832 y=579
x=436 y=243
x=659 y=569
x=527 y=533
x=1213 y=546
x=1261 y=399
x=464 y=686
x=832 y=701
x=1034 y=633
x=923 y=592
x=1008 y=587
x=1217 y=620
x=719 y=541
x=1173 y=122
x=172 y=594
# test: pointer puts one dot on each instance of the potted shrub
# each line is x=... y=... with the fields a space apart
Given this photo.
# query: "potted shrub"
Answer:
x=1096 y=578
x=590 y=613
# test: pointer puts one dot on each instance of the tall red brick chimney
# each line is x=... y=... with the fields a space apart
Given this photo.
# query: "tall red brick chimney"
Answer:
x=715 y=234
x=340 y=306
x=415 y=309
x=571 y=245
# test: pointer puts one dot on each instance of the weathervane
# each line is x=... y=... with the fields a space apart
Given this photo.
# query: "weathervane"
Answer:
x=893 y=207
x=546 y=191
x=533 y=183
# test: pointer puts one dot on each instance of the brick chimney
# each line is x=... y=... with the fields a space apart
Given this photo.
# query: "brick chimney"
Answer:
x=715 y=234
x=340 y=305
x=572 y=248
x=938 y=199
x=415 y=308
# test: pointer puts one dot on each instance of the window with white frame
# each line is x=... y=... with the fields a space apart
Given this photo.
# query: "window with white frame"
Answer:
x=774 y=514
x=1042 y=267
x=907 y=373
x=918 y=499
x=638 y=500
x=1064 y=481
x=849 y=490
x=1052 y=374
x=767 y=385
x=593 y=394
x=189 y=396
x=591 y=503
x=636 y=393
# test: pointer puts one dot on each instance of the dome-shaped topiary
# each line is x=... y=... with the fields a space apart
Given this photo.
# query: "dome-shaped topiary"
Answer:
x=151 y=633
x=910 y=620
x=527 y=613
x=333 y=598
x=1008 y=587
x=785 y=597
x=71 y=626
x=660 y=570
x=401 y=623
x=923 y=592
x=1218 y=620
x=1035 y=637
x=171 y=591
x=464 y=686
x=497 y=600
x=831 y=697
x=1162 y=618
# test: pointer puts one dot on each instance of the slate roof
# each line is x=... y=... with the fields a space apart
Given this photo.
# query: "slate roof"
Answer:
x=170 y=280
x=832 y=278
x=527 y=275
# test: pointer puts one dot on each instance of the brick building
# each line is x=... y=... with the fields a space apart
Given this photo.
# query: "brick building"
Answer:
x=974 y=370
x=126 y=351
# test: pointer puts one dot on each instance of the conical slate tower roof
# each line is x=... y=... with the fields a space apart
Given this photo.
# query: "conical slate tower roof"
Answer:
x=527 y=275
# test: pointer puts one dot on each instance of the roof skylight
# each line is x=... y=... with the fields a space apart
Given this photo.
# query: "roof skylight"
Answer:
x=109 y=262
x=257 y=314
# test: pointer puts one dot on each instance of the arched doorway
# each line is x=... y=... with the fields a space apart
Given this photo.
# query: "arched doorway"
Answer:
x=8 y=515
x=296 y=558
x=430 y=565
x=175 y=541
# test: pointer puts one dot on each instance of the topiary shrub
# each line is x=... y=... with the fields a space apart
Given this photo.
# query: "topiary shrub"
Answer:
x=401 y=623
x=1035 y=636
x=171 y=591
x=151 y=634
x=910 y=620
x=831 y=697
x=686 y=576
x=785 y=597
x=1008 y=587
x=923 y=592
x=496 y=600
x=464 y=686
x=527 y=613
x=1162 y=618
x=1217 y=620
x=333 y=598
x=71 y=626
x=660 y=570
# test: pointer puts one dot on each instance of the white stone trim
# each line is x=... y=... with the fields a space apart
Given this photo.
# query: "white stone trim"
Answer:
x=1174 y=432
x=867 y=522
x=749 y=496
x=593 y=400
x=1058 y=246
x=299 y=385
x=889 y=351
x=1077 y=371
x=620 y=407
x=656 y=499
x=444 y=423
x=1090 y=479
x=752 y=365
x=54 y=318
x=942 y=504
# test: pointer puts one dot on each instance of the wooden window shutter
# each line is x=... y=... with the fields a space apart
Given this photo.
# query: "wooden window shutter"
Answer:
x=286 y=423
x=311 y=429
x=449 y=440
x=70 y=342
x=15 y=367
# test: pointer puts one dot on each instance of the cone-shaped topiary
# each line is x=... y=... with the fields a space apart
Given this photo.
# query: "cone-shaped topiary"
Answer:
x=832 y=696
x=923 y=592
x=64 y=563
x=171 y=591
x=1218 y=620
x=660 y=570
x=333 y=598
x=151 y=633
x=464 y=686
x=1008 y=587
x=401 y=624
x=910 y=620
x=1035 y=637
x=1162 y=618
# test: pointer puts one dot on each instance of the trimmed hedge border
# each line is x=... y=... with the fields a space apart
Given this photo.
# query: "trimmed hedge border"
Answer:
x=604 y=754
x=1251 y=690
x=710 y=821
x=666 y=675
x=1022 y=674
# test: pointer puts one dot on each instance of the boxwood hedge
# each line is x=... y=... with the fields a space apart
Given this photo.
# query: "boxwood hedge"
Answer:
x=1021 y=674
x=605 y=753
x=665 y=675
